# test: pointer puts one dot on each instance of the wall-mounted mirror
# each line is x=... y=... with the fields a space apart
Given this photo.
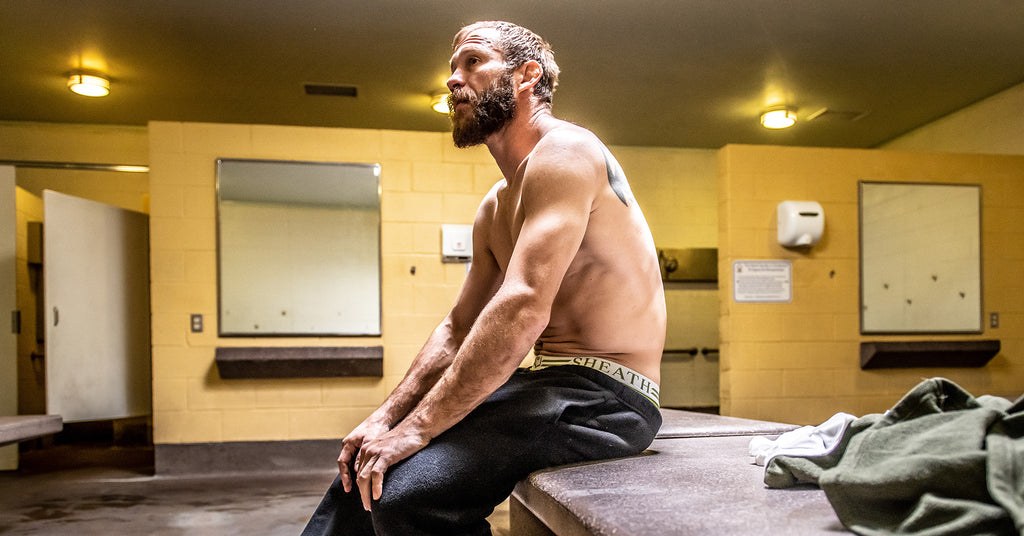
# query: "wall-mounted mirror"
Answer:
x=920 y=255
x=298 y=248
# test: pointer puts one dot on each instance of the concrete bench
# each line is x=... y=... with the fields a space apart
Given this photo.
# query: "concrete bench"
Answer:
x=677 y=424
x=696 y=478
x=15 y=428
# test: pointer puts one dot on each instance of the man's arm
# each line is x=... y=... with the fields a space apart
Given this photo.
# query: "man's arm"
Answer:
x=559 y=187
x=437 y=353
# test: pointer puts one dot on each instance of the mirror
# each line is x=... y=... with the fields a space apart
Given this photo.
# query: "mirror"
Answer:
x=920 y=254
x=298 y=248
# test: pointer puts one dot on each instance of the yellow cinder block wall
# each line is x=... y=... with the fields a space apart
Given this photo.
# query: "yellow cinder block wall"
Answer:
x=793 y=362
x=425 y=180
x=799 y=362
x=678 y=192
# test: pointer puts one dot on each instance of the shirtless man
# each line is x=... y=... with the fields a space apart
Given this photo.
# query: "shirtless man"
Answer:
x=563 y=261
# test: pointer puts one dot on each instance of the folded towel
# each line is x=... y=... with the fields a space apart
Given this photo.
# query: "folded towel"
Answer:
x=804 y=441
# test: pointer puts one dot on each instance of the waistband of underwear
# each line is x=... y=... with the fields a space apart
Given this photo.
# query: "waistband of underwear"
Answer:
x=620 y=373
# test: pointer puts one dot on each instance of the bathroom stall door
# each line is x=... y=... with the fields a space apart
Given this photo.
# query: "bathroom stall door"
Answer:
x=96 y=281
x=689 y=366
x=8 y=339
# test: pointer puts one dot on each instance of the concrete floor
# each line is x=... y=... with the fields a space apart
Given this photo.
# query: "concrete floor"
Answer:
x=114 y=492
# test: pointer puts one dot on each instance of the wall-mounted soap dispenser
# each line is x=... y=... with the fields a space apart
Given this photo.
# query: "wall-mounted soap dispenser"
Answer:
x=801 y=223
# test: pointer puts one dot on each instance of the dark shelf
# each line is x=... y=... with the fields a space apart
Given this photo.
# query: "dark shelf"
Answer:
x=300 y=362
x=915 y=354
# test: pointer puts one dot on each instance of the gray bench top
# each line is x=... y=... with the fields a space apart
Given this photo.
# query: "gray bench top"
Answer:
x=679 y=423
x=15 y=428
x=697 y=485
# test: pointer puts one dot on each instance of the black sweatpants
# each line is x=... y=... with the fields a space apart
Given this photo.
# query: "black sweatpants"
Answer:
x=538 y=419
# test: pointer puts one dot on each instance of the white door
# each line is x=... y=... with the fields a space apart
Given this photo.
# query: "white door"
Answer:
x=8 y=303
x=96 y=282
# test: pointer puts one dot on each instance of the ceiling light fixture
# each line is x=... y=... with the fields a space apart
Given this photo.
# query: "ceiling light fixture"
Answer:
x=778 y=118
x=440 y=103
x=89 y=85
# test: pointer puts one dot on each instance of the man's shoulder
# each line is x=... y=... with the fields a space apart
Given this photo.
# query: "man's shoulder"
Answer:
x=490 y=199
x=567 y=147
x=569 y=135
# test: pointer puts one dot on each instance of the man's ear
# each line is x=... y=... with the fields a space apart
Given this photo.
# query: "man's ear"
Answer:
x=531 y=73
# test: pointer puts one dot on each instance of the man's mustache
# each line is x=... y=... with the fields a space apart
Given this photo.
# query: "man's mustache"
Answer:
x=459 y=96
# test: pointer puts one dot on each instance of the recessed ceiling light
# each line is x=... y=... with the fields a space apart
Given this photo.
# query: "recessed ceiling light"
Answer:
x=778 y=118
x=89 y=85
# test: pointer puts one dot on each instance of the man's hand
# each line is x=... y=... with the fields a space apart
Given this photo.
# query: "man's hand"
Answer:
x=367 y=431
x=377 y=455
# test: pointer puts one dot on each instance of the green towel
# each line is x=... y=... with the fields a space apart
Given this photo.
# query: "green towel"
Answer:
x=939 y=462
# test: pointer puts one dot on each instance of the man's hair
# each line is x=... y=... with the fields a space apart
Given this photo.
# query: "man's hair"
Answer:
x=518 y=46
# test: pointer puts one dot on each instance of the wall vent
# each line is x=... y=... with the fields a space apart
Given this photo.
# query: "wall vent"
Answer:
x=331 y=90
x=828 y=114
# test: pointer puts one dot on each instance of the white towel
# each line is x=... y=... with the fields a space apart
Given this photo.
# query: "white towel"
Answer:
x=804 y=441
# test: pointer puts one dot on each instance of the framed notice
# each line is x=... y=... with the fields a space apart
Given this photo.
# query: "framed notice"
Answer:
x=762 y=281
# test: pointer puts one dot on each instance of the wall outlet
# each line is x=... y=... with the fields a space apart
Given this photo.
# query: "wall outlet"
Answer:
x=197 y=323
x=993 y=320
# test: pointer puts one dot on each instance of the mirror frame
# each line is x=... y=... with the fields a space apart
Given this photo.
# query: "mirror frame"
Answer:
x=377 y=331
x=905 y=329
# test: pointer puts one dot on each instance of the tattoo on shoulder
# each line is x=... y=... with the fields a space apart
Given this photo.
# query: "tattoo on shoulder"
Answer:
x=617 y=178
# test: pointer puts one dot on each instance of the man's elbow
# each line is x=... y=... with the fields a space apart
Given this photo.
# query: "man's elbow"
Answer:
x=531 y=309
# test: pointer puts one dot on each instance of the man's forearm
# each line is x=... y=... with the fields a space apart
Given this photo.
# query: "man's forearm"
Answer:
x=491 y=352
x=427 y=368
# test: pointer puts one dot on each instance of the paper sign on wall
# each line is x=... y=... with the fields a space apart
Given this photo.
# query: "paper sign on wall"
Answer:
x=762 y=281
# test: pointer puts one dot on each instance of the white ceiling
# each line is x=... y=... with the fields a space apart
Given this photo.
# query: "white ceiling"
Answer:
x=679 y=73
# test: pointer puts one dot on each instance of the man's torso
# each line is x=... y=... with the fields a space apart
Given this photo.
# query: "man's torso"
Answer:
x=610 y=303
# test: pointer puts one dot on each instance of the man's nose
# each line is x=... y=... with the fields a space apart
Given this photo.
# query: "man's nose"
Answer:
x=455 y=80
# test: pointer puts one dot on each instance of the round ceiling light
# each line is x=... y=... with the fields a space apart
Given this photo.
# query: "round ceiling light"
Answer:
x=778 y=118
x=89 y=85
x=440 y=103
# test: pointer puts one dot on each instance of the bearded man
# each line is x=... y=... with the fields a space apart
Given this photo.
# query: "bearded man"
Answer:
x=563 y=262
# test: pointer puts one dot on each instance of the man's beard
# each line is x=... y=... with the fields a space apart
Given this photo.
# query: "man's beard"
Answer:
x=491 y=110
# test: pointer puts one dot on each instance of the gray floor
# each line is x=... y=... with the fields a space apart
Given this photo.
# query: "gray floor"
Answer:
x=116 y=493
